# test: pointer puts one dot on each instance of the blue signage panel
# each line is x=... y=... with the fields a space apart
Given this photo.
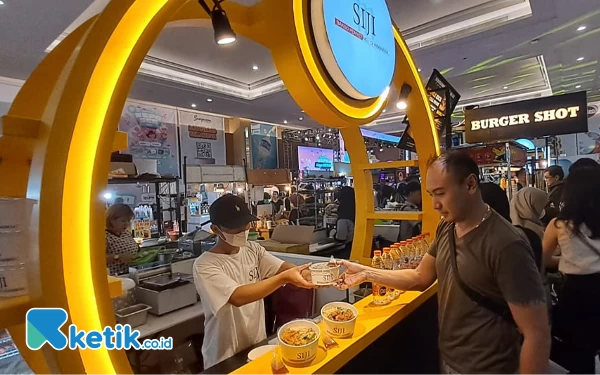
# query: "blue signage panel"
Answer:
x=379 y=136
x=362 y=41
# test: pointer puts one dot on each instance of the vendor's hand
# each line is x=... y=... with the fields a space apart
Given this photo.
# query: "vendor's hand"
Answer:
x=355 y=274
x=295 y=277
x=126 y=258
x=308 y=277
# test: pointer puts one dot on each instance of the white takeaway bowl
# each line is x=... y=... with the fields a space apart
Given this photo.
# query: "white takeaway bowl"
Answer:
x=339 y=329
x=299 y=355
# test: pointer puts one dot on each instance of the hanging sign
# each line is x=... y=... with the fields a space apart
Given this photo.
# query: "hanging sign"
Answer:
x=553 y=115
x=443 y=99
x=355 y=41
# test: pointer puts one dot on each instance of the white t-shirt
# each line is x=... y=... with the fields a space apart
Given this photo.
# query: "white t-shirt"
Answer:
x=580 y=254
x=229 y=329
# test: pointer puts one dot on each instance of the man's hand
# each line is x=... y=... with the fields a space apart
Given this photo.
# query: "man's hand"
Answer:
x=355 y=274
x=295 y=276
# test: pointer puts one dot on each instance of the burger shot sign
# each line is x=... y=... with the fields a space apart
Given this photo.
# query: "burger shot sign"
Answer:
x=554 y=115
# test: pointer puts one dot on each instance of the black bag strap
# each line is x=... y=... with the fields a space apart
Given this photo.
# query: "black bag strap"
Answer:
x=499 y=309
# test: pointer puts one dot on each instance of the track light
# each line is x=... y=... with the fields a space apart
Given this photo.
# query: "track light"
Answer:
x=224 y=34
x=402 y=103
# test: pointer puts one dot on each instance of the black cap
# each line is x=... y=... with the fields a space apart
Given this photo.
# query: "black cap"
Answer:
x=231 y=212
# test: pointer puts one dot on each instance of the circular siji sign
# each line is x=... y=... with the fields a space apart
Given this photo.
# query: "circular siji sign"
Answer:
x=356 y=43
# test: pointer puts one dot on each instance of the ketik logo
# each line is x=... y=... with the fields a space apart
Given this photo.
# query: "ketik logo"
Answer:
x=553 y=115
x=364 y=19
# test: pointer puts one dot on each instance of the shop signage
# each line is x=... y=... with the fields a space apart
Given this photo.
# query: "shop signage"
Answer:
x=554 y=115
x=148 y=198
x=356 y=43
x=202 y=138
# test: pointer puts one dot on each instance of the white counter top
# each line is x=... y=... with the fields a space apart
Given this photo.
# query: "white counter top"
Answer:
x=156 y=324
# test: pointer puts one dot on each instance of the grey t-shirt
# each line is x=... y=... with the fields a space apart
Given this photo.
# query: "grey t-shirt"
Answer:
x=496 y=261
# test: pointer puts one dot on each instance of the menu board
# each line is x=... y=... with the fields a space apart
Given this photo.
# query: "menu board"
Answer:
x=443 y=99
x=202 y=138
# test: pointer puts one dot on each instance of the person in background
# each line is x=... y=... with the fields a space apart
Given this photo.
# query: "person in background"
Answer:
x=120 y=245
x=232 y=280
x=496 y=198
x=277 y=204
x=554 y=176
x=582 y=163
x=527 y=209
x=411 y=228
x=522 y=179
x=346 y=212
x=493 y=260
x=576 y=324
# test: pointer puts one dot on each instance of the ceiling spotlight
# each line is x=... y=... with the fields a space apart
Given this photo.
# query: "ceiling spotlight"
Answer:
x=381 y=149
x=581 y=28
x=306 y=139
x=209 y=100
x=505 y=88
x=402 y=103
x=419 y=70
x=578 y=86
x=384 y=111
x=580 y=58
x=108 y=195
x=193 y=105
x=285 y=121
x=1 y=2
x=255 y=67
x=301 y=118
x=224 y=34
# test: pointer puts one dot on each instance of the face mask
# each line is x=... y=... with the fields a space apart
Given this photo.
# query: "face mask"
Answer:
x=236 y=240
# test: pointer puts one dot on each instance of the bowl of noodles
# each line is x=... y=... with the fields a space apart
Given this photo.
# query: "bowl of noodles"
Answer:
x=339 y=319
x=325 y=273
x=299 y=341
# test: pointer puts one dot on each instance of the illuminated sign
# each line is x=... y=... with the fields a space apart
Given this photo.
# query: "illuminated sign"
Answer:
x=379 y=136
x=554 y=115
x=356 y=43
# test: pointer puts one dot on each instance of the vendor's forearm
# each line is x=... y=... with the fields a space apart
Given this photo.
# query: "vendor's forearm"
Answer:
x=249 y=293
x=398 y=279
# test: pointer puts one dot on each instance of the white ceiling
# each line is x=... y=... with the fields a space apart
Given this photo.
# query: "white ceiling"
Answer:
x=480 y=61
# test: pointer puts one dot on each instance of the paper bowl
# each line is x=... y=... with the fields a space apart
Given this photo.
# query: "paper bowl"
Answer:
x=323 y=273
x=299 y=355
x=339 y=329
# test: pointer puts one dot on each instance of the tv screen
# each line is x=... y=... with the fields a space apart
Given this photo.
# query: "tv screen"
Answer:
x=315 y=159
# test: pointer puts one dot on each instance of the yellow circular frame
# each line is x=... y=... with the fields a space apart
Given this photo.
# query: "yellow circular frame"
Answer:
x=58 y=135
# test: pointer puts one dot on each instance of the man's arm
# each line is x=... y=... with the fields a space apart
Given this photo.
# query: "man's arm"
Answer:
x=532 y=320
x=419 y=279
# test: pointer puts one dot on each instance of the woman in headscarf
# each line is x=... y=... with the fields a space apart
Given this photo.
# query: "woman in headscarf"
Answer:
x=527 y=209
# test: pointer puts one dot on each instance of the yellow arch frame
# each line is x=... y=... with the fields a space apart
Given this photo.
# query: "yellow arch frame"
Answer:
x=56 y=140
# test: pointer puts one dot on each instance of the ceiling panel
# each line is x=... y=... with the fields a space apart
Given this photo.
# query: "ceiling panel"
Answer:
x=409 y=14
x=275 y=108
x=27 y=27
x=195 y=48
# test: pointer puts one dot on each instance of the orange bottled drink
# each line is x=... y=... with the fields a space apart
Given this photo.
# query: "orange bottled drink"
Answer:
x=379 y=291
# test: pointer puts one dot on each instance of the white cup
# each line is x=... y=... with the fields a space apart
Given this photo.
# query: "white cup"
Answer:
x=269 y=224
x=13 y=280
x=15 y=214
x=14 y=247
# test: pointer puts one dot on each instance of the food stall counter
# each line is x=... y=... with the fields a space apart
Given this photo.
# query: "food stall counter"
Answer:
x=371 y=324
